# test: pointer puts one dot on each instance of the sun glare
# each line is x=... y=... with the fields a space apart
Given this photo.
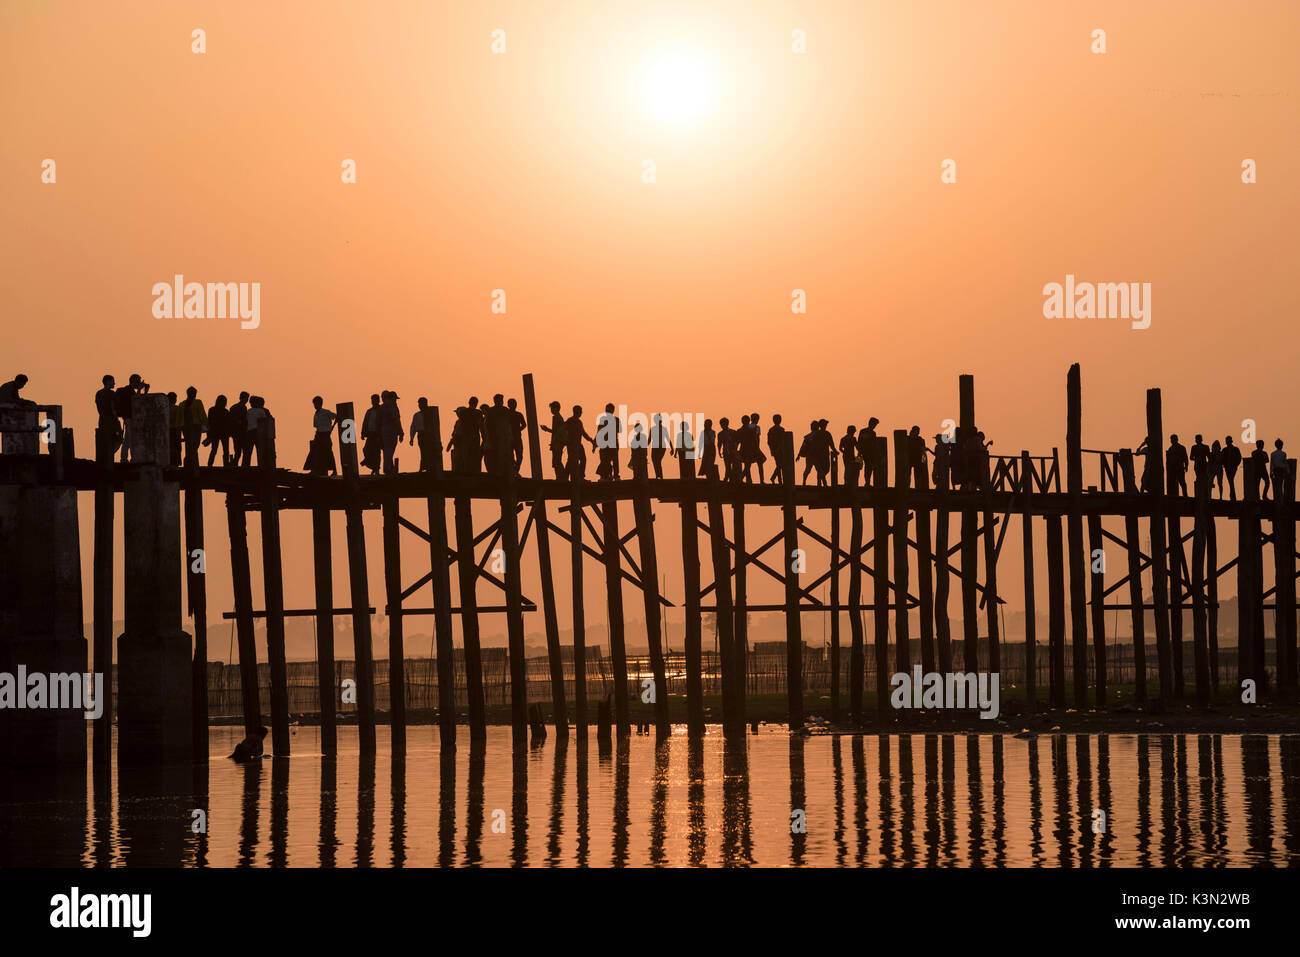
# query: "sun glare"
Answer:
x=678 y=88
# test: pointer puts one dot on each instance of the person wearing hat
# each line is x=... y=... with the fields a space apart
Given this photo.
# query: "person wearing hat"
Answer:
x=390 y=429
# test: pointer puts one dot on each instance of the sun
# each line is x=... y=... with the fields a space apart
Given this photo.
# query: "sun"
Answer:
x=678 y=88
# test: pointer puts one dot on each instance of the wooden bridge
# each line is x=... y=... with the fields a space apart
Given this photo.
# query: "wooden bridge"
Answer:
x=906 y=555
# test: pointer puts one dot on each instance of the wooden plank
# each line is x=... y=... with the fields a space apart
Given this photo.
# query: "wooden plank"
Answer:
x=550 y=617
x=358 y=576
x=323 y=569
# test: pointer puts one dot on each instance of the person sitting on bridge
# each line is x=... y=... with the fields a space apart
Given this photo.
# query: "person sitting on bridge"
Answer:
x=1231 y=460
x=1259 y=458
x=320 y=453
x=9 y=392
x=1176 y=467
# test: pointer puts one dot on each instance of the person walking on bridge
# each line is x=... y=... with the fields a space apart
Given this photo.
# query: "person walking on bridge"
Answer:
x=320 y=454
x=1231 y=462
x=1176 y=467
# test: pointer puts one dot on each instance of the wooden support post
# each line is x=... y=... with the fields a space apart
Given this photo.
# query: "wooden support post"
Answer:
x=902 y=582
x=196 y=588
x=1177 y=587
x=1096 y=563
x=1284 y=595
x=440 y=580
x=578 y=603
x=396 y=635
x=1155 y=477
x=880 y=573
x=1031 y=620
x=793 y=560
x=358 y=577
x=614 y=606
x=724 y=613
x=1247 y=583
x=105 y=506
x=1200 y=640
x=857 y=664
x=740 y=632
x=924 y=562
x=273 y=591
x=942 y=623
x=1055 y=612
x=968 y=437
x=645 y=533
x=242 y=585
x=467 y=577
x=1137 y=614
x=322 y=566
x=504 y=468
x=691 y=586
x=851 y=479
x=559 y=704
x=1212 y=599
x=990 y=569
x=1074 y=533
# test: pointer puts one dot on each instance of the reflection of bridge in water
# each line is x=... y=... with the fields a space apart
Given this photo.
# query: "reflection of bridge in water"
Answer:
x=909 y=556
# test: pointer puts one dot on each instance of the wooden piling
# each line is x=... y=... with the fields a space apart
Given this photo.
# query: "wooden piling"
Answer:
x=990 y=569
x=1055 y=612
x=1074 y=533
x=1031 y=621
x=1284 y=595
x=322 y=566
x=509 y=528
x=1133 y=552
x=196 y=588
x=358 y=576
x=242 y=585
x=942 y=623
x=1200 y=639
x=396 y=634
x=902 y=583
x=614 y=608
x=105 y=506
x=691 y=587
x=880 y=573
x=273 y=591
x=724 y=612
x=645 y=533
x=857 y=664
x=1177 y=587
x=542 y=532
x=851 y=479
x=969 y=436
x=1155 y=475
x=740 y=604
x=924 y=565
x=440 y=580
x=1097 y=604
x=793 y=625
x=467 y=578
x=1212 y=599
x=578 y=603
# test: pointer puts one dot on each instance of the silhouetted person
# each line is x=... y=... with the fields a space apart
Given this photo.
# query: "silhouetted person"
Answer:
x=1278 y=470
x=174 y=429
x=372 y=442
x=574 y=434
x=218 y=431
x=686 y=449
x=727 y=449
x=759 y=458
x=320 y=455
x=608 y=429
x=496 y=415
x=849 y=449
x=918 y=450
x=1176 y=467
x=638 y=441
x=746 y=450
x=110 y=430
x=1260 y=458
x=1146 y=452
x=518 y=423
x=9 y=392
x=1216 y=467
x=466 y=436
x=867 y=450
x=1199 y=455
x=556 y=443
x=260 y=437
x=422 y=431
x=250 y=748
x=808 y=450
x=942 y=460
x=826 y=451
x=775 y=438
x=194 y=422
x=239 y=430
x=661 y=444
x=708 y=450
x=390 y=430
x=1231 y=460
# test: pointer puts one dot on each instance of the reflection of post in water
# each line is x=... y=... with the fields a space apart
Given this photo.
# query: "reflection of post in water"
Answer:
x=798 y=802
x=931 y=800
x=1290 y=771
x=858 y=750
x=622 y=815
x=1220 y=805
x=279 y=811
x=1205 y=774
x=737 y=847
x=659 y=805
x=1036 y=855
x=1184 y=806
x=199 y=792
x=1107 y=841
x=837 y=778
x=1168 y=804
x=1144 y=801
x=519 y=807
x=1061 y=785
x=580 y=784
x=697 y=837
x=447 y=807
x=1083 y=797
x=329 y=806
x=948 y=771
x=906 y=799
x=1259 y=798
x=248 y=813
x=154 y=814
x=999 y=805
x=366 y=808
x=886 y=802
x=559 y=767
x=36 y=806
x=397 y=802
x=975 y=792
x=474 y=801
x=101 y=836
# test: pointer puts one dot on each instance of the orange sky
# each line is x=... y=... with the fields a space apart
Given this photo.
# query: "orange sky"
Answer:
x=523 y=172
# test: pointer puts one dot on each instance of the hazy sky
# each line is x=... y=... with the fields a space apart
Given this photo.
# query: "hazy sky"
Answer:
x=774 y=171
